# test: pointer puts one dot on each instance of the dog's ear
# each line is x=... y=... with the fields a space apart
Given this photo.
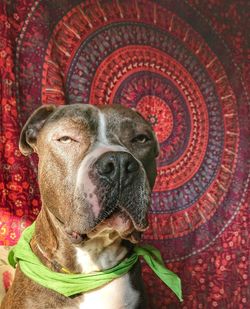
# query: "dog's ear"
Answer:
x=32 y=127
x=157 y=147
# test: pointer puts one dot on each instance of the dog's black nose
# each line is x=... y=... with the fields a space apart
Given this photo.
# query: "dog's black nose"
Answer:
x=117 y=166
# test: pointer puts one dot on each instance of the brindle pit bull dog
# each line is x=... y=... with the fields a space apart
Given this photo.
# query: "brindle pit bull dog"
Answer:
x=96 y=172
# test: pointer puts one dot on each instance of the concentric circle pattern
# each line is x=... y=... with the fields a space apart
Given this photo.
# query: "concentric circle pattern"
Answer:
x=145 y=56
x=180 y=63
x=159 y=114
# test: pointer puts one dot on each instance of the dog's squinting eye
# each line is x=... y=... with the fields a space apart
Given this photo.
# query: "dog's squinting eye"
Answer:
x=140 y=139
x=65 y=140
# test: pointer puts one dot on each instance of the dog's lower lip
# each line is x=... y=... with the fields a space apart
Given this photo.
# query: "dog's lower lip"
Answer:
x=123 y=218
x=138 y=227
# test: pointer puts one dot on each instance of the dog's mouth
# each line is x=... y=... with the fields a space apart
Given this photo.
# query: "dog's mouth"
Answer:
x=118 y=224
x=122 y=223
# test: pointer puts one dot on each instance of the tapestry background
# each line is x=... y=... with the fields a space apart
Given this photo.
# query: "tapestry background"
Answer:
x=183 y=65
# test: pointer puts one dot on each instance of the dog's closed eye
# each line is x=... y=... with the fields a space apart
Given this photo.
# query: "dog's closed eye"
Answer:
x=140 y=139
x=66 y=140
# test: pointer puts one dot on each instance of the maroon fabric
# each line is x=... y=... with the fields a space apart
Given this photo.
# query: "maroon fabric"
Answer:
x=183 y=65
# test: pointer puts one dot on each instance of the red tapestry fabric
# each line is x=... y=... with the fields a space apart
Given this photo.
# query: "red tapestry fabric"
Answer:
x=183 y=65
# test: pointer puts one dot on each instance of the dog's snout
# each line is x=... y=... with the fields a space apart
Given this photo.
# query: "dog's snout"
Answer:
x=117 y=166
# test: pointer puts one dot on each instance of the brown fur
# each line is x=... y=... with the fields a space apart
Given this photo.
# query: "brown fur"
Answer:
x=57 y=181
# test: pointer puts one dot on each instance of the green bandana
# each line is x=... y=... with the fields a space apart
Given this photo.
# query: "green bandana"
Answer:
x=71 y=284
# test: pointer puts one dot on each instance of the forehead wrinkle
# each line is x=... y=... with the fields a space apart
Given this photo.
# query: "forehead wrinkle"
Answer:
x=121 y=128
x=67 y=120
x=65 y=126
x=78 y=113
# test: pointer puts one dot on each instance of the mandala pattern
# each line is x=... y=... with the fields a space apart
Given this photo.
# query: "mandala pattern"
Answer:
x=164 y=59
x=130 y=61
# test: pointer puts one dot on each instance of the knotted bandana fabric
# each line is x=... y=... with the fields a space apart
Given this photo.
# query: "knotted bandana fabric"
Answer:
x=72 y=284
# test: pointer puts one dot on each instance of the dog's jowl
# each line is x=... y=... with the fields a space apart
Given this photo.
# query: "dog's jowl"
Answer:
x=96 y=172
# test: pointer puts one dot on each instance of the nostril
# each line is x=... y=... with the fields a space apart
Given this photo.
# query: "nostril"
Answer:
x=106 y=168
x=117 y=166
x=132 y=166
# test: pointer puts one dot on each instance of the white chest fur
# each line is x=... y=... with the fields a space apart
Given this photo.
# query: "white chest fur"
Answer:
x=101 y=253
x=119 y=294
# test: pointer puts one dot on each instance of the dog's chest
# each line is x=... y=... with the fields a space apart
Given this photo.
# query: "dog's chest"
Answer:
x=119 y=294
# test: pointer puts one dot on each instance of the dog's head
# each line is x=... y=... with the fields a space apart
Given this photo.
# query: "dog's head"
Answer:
x=96 y=167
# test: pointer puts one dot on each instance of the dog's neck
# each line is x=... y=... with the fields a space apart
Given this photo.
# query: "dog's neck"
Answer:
x=102 y=251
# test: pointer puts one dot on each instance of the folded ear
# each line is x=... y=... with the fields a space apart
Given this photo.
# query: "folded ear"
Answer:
x=32 y=127
x=157 y=148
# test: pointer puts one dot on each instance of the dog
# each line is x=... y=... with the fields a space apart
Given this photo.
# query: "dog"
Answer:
x=96 y=171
